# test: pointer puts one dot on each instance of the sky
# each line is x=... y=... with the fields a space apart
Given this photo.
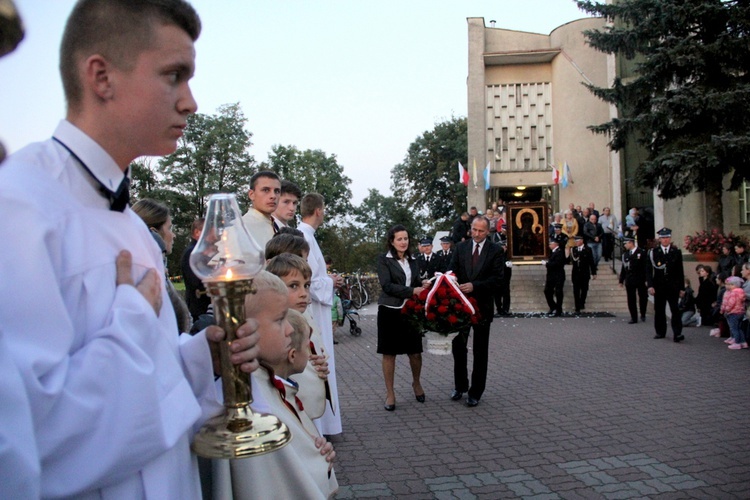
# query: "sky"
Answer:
x=359 y=79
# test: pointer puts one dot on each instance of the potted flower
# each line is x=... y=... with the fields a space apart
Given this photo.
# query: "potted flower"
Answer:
x=706 y=245
x=440 y=311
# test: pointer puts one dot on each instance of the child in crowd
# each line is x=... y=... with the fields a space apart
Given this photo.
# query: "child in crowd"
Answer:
x=295 y=272
x=286 y=243
x=722 y=330
x=686 y=306
x=706 y=293
x=733 y=308
x=303 y=468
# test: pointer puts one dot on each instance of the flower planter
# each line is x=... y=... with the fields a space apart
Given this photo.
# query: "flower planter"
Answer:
x=439 y=343
x=705 y=256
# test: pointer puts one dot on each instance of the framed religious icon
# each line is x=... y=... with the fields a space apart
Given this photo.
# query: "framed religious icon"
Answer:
x=528 y=230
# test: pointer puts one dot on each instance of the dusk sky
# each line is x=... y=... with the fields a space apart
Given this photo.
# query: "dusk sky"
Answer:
x=359 y=79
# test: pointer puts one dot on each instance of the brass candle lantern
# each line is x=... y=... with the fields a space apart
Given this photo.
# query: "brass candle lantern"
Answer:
x=226 y=258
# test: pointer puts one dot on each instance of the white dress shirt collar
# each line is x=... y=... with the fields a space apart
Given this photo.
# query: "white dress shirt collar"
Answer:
x=96 y=159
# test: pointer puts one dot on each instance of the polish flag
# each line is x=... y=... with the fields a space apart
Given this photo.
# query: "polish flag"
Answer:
x=463 y=175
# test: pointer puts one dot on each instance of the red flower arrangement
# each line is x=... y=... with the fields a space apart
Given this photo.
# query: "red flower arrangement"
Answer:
x=710 y=241
x=442 y=308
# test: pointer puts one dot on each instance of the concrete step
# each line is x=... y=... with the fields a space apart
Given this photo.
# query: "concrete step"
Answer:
x=527 y=290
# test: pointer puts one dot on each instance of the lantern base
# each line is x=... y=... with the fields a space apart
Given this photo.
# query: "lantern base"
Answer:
x=240 y=433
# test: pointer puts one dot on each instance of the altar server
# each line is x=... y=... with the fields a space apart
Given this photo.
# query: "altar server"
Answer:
x=115 y=395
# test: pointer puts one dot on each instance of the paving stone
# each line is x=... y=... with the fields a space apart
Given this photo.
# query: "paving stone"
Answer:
x=570 y=434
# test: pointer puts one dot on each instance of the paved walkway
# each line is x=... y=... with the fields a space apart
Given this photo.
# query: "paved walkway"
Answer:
x=575 y=408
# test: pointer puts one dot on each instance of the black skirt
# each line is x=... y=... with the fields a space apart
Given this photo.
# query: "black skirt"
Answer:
x=395 y=334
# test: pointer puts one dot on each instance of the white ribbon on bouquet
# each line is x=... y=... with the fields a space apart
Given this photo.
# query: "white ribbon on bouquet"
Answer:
x=450 y=279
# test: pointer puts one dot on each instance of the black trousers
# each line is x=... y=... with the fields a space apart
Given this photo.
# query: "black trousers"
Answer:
x=662 y=297
x=480 y=350
x=642 y=291
x=580 y=292
x=553 y=292
x=502 y=295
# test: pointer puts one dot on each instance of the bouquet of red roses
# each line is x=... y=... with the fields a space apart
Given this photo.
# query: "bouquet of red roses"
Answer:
x=442 y=308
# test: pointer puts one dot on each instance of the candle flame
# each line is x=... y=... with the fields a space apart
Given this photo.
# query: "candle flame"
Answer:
x=229 y=274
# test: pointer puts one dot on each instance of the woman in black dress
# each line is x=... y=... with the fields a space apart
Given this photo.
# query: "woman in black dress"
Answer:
x=398 y=274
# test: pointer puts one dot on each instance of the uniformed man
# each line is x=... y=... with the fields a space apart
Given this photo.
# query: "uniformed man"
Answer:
x=633 y=276
x=583 y=270
x=444 y=254
x=553 y=286
x=665 y=281
x=558 y=235
x=502 y=294
x=428 y=261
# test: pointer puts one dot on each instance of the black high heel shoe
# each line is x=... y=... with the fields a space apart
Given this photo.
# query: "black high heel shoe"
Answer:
x=390 y=407
x=420 y=398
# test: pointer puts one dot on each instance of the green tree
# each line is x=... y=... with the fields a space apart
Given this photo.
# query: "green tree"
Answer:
x=688 y=103
x=313 y=171
x=377 y=214
x=144 y=178
x=212 y=157
x=427 y=177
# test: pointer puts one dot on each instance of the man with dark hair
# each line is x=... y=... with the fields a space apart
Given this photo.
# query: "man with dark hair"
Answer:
x=289 y=198
x=472 y=214
x=265 y=188
x=115 y=395
x=322 y=285
x=478 y=265
x=592 y=235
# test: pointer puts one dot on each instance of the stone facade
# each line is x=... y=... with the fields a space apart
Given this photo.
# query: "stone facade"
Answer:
x=529 y=110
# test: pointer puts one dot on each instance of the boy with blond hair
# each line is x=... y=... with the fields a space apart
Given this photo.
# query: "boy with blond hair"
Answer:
x=296 y=274
x=305 y=464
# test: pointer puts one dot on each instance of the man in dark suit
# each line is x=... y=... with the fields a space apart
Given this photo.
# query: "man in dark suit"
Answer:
x=445 y=254
x=633 y=276
x=553 y=285
x=427 y=260
x=583 y=270
x=478 y=265
x=666 y=279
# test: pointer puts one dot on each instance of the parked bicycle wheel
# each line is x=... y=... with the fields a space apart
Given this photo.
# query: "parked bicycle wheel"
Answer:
x=357 y=297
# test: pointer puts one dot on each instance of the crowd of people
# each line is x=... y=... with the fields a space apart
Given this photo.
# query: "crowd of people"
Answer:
x=107 y=371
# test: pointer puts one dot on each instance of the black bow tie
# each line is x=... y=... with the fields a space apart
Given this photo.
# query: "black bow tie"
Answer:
x=118 y=200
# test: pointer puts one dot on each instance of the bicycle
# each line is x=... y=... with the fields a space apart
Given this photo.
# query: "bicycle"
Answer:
x=356 y=291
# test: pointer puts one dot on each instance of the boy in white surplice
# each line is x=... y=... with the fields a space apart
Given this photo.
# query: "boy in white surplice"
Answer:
x=303 y=468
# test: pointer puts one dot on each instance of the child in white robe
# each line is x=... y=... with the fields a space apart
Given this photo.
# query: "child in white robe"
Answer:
x=303 y=468
x=314 y=391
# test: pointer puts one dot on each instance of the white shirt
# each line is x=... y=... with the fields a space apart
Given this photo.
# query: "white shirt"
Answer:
x=475 y=245
x=259 y=226
x=19 y=460
x=115 y=395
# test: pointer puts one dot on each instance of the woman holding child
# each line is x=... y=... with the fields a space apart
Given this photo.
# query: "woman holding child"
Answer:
x=398 y=274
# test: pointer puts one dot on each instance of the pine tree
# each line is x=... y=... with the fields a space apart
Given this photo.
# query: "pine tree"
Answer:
x=688 y=103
